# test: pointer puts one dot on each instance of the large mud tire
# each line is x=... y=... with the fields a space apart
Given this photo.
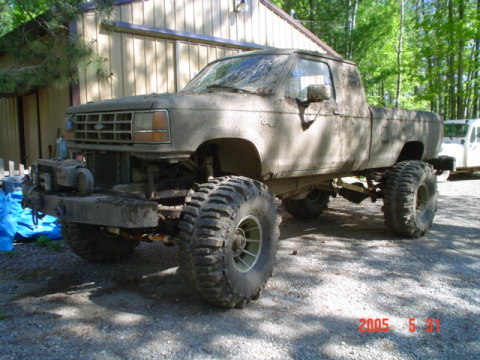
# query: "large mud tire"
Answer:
x=228 y=240
x=410 y=198
x=310 y=207
x=94 y=244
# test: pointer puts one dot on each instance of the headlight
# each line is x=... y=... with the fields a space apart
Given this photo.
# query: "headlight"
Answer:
x=151 y=127
x=69 y=126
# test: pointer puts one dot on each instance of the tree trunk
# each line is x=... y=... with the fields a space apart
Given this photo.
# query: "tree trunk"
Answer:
x=461 y=45
x=476 y=85
x=452 y=113
x=399 y=53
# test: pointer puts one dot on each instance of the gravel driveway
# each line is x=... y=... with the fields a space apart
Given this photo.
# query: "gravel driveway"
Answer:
x=330 y=273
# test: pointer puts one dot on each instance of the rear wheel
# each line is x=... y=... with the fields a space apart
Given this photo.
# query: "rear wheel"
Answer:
x=95 y=244
x=310 y=207
x=410 y=198
x=228 y=240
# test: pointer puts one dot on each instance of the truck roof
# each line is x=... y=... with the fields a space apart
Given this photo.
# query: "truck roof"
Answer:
x=287 y=52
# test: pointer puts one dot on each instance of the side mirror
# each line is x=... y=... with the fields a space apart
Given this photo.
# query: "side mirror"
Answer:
x=319 y=92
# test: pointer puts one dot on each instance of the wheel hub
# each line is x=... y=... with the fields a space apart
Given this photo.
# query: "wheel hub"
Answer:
x=422 y=199
x=239 y=242
x=247 y=243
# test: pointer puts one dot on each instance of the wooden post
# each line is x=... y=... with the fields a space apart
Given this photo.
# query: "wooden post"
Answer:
x=11 y=168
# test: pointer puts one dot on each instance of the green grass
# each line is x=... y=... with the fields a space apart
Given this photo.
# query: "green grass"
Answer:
x=10 y=254
x=44 y=241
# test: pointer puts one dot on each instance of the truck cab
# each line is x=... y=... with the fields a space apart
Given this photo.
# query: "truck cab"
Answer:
x=462 y=141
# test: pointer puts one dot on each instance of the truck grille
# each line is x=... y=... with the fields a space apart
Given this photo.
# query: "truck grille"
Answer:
x=104 y=167
x=110 y=128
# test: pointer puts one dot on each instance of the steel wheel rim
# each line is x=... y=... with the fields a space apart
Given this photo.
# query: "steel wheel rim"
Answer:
x=247 y=243
x=422 y=199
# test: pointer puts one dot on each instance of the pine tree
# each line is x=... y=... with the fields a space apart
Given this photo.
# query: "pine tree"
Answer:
x=40 y=47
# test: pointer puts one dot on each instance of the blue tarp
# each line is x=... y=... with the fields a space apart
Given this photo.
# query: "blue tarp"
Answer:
x=8 y=224
x=16 y=223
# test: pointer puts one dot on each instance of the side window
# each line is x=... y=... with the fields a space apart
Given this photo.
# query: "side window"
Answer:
x=305 y=73
x=478 y=134
x=473 y=136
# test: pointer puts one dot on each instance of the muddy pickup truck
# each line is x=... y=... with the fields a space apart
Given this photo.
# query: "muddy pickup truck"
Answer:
x=202 y=168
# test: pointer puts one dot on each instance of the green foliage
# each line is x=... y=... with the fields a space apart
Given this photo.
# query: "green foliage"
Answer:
x=41 y=46
x=10 y=254
x=440 y=64
x=44 y=241
x=3 y=316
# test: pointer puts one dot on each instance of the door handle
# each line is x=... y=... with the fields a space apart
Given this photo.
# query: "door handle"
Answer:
x=339 y=112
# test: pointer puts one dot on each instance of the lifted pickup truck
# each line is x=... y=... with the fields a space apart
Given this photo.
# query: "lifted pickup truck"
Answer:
x=201 y=168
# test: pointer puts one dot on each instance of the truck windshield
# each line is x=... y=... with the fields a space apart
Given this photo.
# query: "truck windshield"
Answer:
x=254 y=74
x=455 y=130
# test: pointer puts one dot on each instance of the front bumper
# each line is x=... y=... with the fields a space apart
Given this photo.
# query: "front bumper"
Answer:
x=443 y=163
x=96 y=209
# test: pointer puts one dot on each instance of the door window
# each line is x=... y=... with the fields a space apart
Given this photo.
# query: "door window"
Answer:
x=305 y=73
x=473 y=136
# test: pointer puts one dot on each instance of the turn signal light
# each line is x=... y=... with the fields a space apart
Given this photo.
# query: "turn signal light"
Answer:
x=151 y=136
x=160 y=120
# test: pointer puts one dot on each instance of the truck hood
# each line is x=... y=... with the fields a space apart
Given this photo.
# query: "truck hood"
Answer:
x=454 y=140
x=454 y=150
x=218 y=100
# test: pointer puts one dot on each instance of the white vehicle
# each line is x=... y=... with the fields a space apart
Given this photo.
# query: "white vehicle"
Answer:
x=461 y=141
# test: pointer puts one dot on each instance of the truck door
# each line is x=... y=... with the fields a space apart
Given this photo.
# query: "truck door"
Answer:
x=473 y=148
x=312 y=138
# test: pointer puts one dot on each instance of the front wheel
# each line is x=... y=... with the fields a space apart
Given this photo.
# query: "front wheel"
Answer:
x=95 y=244
x=410 y=198
x=228 y=240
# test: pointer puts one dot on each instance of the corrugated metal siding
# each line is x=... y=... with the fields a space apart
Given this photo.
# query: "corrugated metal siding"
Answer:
x=53 y=103
x=145 y=64
x=9 y=138
x=31 y=128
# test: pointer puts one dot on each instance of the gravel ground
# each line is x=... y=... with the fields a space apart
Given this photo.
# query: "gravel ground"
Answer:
x=330 y=273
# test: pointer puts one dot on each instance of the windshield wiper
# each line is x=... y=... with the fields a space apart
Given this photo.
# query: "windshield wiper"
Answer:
x=228 y=87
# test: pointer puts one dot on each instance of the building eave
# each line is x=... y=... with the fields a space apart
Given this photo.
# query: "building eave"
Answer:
x=300 y=27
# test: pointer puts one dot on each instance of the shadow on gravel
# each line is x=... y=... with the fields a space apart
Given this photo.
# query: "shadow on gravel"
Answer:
x=446 y=258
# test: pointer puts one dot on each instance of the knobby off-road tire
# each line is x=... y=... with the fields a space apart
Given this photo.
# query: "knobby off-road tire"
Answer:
x=96 y=245
x=228 y=240
x=410 y=198
x=309 y=207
